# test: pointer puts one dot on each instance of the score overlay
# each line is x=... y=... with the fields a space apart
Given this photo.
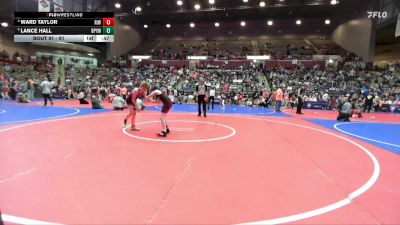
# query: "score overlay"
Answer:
x=64 y=27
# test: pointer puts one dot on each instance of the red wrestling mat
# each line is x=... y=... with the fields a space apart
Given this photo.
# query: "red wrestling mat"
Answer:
x=217 y=170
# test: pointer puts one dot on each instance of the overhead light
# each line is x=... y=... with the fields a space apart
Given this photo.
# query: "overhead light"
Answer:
x=270 y=23
x=145 y=26
x=242 y=23
x=298 y=22
x=334 y=2
x=90 y=54
x=245 y=1
x=211 y=2
x=168 y=25
x=117 y=5
x=197 y=6
x=192 y=25
x=262 y=4
x=4 y=24
x=330 y=61
x=216 y=24
x=327 y=21
x=138 y=9
x=179 y=3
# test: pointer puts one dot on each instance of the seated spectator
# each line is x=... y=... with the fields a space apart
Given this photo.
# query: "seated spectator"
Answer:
x=81 y=98
x=96 y=103
x=119 y=103
x=345 y=111
x=22 y=97
x=111 y=97
x=12 y=93
x=69 y=93
x=4 y=92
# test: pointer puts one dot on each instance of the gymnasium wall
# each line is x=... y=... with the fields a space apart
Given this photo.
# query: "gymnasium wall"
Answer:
x=126 y=38
x=356 y=36
x=7 y=44
x=233 y=30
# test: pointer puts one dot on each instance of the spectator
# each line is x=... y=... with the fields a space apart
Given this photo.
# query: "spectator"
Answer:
x=345 y=110
x=96 y=103
x=81 y=98
x=22 y=97
x=119 y=103
x=278 y=99
x=211 y=98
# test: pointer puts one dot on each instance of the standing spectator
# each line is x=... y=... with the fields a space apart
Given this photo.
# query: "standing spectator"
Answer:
x=211 y=98
x=46 y=86
x=31 y=89
x=368 y=103
x=291 y=101
x=223 y=100
x=299 y=102
x=376 y=103
x=201 y=91
x=278 y=99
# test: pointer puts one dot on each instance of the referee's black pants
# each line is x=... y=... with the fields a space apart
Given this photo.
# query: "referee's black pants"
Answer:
x=47 y=96
x=201 y=99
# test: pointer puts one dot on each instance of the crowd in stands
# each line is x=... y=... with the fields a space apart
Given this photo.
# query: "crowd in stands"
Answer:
x=329 y=86
x=241 y=86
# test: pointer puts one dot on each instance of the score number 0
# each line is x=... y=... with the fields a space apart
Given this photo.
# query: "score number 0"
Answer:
x=108 y=21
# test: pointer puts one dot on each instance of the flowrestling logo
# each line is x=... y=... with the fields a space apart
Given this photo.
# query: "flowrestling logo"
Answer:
x=377 y=14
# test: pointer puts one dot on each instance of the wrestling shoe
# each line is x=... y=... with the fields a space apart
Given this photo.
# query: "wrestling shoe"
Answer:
x=133 y=128
x=162 y=134
x=124 y=124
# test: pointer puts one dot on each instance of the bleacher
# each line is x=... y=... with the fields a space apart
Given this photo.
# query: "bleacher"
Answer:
x=327 y=46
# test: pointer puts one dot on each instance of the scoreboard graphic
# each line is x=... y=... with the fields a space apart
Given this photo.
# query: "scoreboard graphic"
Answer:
x=63 y=27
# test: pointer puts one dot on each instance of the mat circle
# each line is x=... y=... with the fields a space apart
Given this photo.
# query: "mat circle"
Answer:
x=233 y=132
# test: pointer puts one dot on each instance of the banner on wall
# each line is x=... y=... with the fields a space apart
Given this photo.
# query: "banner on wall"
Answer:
x=81 y=61
x=315 y=105
x=44 y=5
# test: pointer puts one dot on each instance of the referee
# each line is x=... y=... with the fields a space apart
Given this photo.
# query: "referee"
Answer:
x=201 y=91
x=46 y=90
